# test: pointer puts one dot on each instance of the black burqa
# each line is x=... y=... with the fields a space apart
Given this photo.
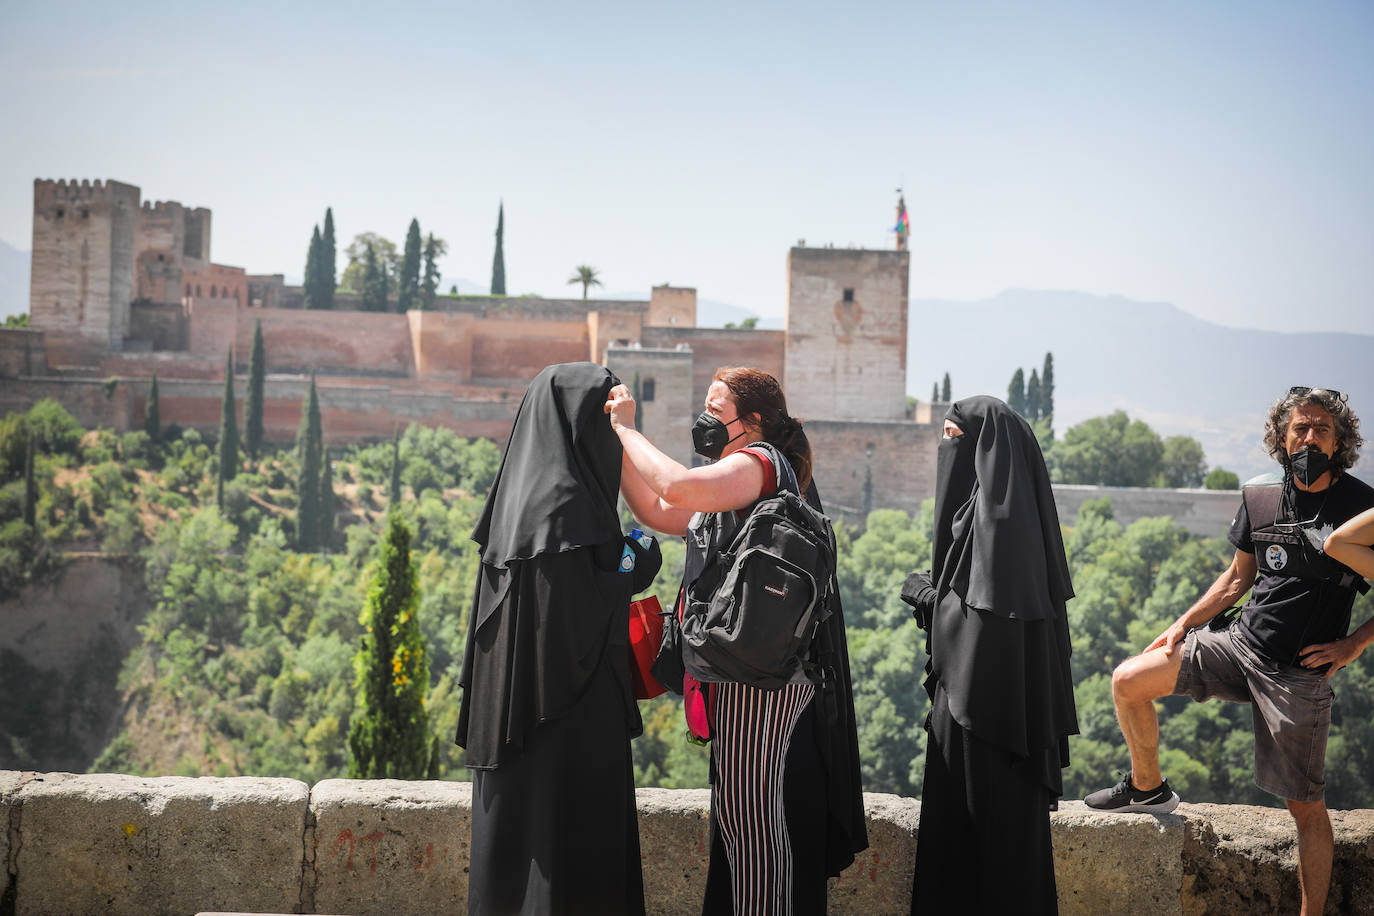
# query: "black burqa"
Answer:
x=548 y=710
x=999 y=680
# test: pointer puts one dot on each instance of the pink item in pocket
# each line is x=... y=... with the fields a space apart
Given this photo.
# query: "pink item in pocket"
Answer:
x=696 y=706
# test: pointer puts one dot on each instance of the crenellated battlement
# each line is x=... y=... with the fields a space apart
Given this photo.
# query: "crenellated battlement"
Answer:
x=81 y=191
x=163 y=206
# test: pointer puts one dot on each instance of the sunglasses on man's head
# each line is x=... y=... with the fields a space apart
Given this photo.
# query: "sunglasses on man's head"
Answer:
x=1301 y=390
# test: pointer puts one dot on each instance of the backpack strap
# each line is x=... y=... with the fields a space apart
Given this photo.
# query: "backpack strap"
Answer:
x=1263 y=503
x=787 y=478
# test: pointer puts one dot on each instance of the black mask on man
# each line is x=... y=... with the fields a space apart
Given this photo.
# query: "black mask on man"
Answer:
x=1309 y=464
x=710 y=435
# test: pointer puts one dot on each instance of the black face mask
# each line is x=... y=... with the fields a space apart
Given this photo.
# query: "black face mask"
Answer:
x=710 y=435
x=1308 y=464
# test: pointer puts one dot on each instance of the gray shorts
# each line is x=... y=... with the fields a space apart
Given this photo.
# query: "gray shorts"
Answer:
x=1291 y=708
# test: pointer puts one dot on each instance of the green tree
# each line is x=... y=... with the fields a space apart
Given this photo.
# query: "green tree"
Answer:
x=253 y=398
x=383 y=250
x=228 y=431
x=498 y=261
x=1183 y=464
x=435 y=248
x=152 y=414
x=373 y=293
x=1221 y=479
x=934 y=392
x=1016 y=392
x=408 y=279
x=394 y=488
x=1047 y=389
x=311 y=283
x=390 y=733
x=945 y=390
x=30 y=488
x=308 y=437
x=1111 y=451
x=1033 y=396
x=329 y=266
x=587 y=276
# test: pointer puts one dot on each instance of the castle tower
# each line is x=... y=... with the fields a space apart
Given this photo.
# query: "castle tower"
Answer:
x=672 y=306
x=82 y=277
x=846 y=333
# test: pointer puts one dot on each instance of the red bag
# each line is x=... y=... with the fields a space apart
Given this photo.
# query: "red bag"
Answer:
x=646 y=635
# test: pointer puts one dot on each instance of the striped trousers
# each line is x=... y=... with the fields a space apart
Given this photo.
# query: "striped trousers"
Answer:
x=751 y=735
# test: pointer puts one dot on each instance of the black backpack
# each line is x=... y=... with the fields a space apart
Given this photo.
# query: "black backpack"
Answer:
x=752 y=612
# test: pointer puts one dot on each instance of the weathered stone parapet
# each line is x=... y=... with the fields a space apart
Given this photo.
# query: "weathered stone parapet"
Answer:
x=123 y=844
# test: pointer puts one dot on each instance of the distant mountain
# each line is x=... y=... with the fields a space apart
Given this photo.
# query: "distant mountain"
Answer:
x=14 y=281
x=1180 y=374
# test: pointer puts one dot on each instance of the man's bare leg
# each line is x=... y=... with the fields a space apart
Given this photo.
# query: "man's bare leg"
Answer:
x=1136 y=684
x=1316 y=848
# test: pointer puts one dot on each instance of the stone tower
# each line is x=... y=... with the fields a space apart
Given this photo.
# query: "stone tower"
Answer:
x=846 y=333
x=83 y=260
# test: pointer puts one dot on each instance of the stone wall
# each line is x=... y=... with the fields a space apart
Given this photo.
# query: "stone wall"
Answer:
x=123 y=844
x=22 y=352
x=157 y=326
x=665 y=409
x=862 y=466
x=1207 y=513
x=714 y=348
x=846 y=333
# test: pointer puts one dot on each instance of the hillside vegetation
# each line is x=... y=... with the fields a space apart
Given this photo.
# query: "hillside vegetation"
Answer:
x=245 y=663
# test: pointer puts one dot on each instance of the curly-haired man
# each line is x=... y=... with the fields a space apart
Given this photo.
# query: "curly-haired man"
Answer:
x=1279 y=653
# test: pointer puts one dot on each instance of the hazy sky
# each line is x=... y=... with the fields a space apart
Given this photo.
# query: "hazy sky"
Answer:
x=1212 y=155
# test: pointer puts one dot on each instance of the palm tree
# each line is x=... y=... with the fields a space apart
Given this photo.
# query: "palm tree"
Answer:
x=586 y=275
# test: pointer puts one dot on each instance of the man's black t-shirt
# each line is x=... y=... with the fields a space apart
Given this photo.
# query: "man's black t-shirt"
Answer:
x=1286 y=613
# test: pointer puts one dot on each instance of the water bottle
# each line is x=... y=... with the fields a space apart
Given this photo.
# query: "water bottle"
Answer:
x=627 y=556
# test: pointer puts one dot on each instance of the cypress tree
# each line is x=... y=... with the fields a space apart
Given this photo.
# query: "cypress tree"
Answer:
x=328 y=261
x=498 y=262
x=394 y=490
x=253 y=399
x=408 y=282
x=1047 y=389
x=152 y=414
x=30 y=487
x=390 y=733
x=383 y=286
x=311 y=283
x=308 y=480
x=1016 y=392
x=934 y=392
x=228 y=430
x=944 y=390
x=430 y=284
x=374 y=285
x=1033 y=396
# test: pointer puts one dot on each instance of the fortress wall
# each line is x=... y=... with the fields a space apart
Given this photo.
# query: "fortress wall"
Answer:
x=442 y=344
x=1207 y=513
x=666 y=416
x=22 y=352
x=713 y=348
x=610 y=327
x=124 y=844
x=84 y=398
x=513 y=352
x=672 y=306
x=874 y=464
x=159 y=326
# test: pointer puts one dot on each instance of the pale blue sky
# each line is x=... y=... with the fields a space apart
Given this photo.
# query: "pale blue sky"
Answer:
x=1211 y=155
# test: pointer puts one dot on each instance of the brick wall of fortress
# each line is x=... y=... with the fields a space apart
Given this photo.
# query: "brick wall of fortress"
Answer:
x=106 y=843
x=872 y=464
x=713 y=348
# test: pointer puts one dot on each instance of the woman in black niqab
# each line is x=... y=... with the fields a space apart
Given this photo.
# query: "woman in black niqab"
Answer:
x=999 y=680
x=548 y=709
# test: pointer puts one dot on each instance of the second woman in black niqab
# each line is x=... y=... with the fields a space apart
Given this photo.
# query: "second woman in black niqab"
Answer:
x=999 y=681
x=548 y=709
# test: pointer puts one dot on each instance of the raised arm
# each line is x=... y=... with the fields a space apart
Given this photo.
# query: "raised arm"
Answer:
x=1350 y=544
x=665 y=492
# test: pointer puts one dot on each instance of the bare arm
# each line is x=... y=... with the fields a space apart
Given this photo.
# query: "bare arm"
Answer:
x=1350 y=544
x=1222 y=594
x=665 y=491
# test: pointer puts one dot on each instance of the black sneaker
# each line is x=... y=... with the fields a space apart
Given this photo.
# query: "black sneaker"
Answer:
x=1124 y=797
